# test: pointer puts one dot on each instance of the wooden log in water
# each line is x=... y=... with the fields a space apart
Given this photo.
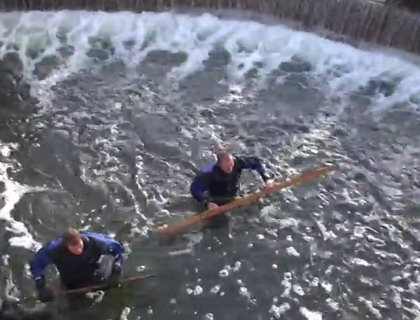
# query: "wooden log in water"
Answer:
x=244 y=201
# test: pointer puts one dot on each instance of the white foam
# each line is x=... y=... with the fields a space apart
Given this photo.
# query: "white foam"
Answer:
x=208 y=316
x=359 y=231
x=215 y=289
x=237 y=266
x=314 y=282
x=379 y=242
x=298 y=290
x=12 y=194
x=329 y=270
x=344 y=68
x=397 y=299
x=277 y=311
x=416 y=305
x=327 y=286
x=5 y=150
x=243 y=291
x=310 y=315
x=124 y=313
x=224 y=273
x=371 y=308
x=287 y=284
x=334 y=305
x=326 y=234
x=292 y=252
x=289 y=222
x=360 y=262
x=180 y=252
x=198 y=290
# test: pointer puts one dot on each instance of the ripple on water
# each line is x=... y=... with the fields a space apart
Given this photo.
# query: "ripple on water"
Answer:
x=125 y=145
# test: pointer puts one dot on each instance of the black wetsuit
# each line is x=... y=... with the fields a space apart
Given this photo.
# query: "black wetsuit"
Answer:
x=76 y=270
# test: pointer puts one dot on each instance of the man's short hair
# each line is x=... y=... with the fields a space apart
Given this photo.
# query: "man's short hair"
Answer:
x=222 y=155
x=72 y=237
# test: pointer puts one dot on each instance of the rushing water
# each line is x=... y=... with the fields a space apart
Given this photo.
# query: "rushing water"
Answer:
x=130 y=105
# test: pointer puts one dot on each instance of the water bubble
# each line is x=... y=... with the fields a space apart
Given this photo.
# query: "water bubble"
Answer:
x=215 y=289
x=208 y=316
x=237 y=266
x=198 y=290
x=292 y=252
x=223 y=273
x=260 y=237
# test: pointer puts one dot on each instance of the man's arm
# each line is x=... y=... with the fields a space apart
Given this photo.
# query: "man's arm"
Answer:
x=108 y=245
x=37 y=267
x=198 y=188
x=42 y=259
x=254 y=163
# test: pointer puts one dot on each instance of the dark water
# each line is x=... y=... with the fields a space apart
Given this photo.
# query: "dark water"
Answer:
x=114 y=147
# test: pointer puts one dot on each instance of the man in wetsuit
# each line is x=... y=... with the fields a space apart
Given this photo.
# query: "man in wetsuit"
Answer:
x=82 y=259
x=218 y=184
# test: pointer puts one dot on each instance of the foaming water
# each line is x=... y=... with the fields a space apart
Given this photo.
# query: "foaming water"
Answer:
x=133 y=105
x=74 y=40
x=11 y=195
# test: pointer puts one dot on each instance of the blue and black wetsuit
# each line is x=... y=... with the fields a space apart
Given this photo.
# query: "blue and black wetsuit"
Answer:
x=76 y=270
x=214 y=185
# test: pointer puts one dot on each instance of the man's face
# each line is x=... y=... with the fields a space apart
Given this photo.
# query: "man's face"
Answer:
x=76 y=248
x=227 y=163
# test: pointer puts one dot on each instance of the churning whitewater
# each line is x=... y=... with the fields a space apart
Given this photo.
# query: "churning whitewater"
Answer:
x=131 y=105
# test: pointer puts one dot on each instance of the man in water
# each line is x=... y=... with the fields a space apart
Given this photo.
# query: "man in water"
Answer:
x=82 y=259
x=218 y=184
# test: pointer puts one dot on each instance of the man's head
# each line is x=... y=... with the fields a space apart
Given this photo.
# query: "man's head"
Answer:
x=225 y=161
x=73 y=241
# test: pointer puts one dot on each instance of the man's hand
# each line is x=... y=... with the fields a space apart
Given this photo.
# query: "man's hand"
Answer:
x=116 y=269
x=212 y=206
x=45 y=293
x=98 y=276
x=104 y=269
x=113 y=280
x=269 y=185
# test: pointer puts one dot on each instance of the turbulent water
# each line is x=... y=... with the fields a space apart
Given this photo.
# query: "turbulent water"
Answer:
x=131 y=105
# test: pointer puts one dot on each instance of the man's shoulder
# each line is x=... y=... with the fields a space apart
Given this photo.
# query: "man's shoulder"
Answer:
x=247 y=158
x=207 y=168
x=95 y=235
x=240 y=160
x=98 y=237
x=51 y=249
x=53 y=244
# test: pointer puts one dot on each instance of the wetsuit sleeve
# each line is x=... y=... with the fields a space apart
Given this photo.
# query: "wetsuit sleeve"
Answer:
x=42 y=259
x=198 y=188
x=108 y=245
x=253 y=163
